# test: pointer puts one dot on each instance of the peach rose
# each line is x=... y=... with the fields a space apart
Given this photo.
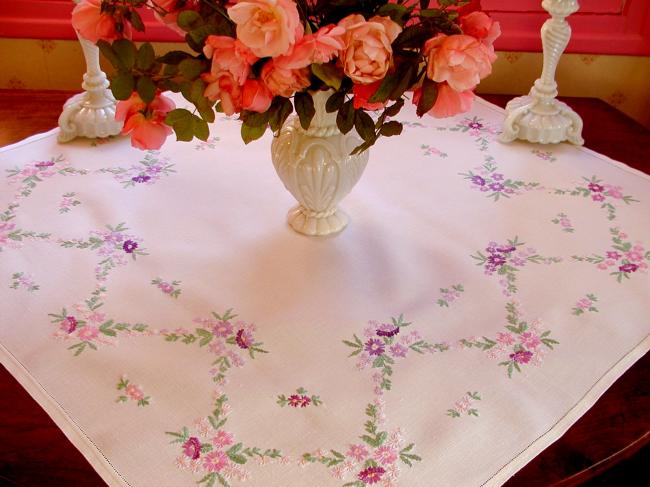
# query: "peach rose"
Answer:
x=362 y=93
x=145 y=123
x=170 y=19
x=319 y=48
x=256 y=97
x=460 y=60
x=449 y=102
x=224 y=87
x=93 y=25
x=282 y=81
x=368 y=53
x=268 y=27
x=480 y=25
x=230 y=55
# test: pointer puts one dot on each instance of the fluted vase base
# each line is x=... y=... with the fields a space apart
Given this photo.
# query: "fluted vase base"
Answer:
x=306 y=222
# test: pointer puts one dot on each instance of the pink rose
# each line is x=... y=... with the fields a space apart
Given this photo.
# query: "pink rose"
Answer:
x=481 y=26
x=268 y=27
x=368 y=54
x=224 y=87
x=362 y=93
x=460 y=60
x=449 y=101
x=256 y=97
x=282 y=81
x=145 y=123
x=93 y=25
x=170 y=19
x=318 y=48
x=231 y=55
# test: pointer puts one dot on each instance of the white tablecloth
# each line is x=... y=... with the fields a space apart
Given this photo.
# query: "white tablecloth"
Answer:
x=481 y=300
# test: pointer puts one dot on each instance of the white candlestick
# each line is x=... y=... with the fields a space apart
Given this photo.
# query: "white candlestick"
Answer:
x=91 y=113
x=540 y=117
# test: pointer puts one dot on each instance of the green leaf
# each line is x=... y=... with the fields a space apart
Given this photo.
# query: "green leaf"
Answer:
x=146 y=89
x=173 y=57
x=122 y=85
x=329 y=73
x=250 y=133
x=391 y=128
x=126 y=52
x=365 y=125
x=304 y=108
x=201 y=129
x=280 y=109
x=385 y=88
x=182 y=122
x=146 y=57
x=345 y=117
x=134 y=18
x=428 y=97
x=189 y=20
x=107 y=50
x=191 y=68
x=334 y=102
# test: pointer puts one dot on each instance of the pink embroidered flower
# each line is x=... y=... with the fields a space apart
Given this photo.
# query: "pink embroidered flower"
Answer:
x=268 y=27
x=628 y=268
x=134 y=392
x=192 y=448
x=295 y=400
x=595 y=188
x=460 y=60
x=222 y=328
x=385 y=455
x=634 y=256
x=530 y=340
x=584 y=303
x=597 y=197
x=398 y=350
x=244 y=339
x=304 y=401
x=69 y=324
x=622 y=235
x=462 y=405
x=505 y=338
x=368 y=54
x=387 y=330
x=371 y=475
x=374 y=346
x=358 y=452
x=222 y=438
x=602 y=266
x=615 y=192
x=166 y=287
x=522 y=356
x=88 y=333
x=215 y=461
x=217 y=347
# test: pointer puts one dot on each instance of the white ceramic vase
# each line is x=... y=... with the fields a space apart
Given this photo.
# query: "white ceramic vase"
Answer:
x=316 y=167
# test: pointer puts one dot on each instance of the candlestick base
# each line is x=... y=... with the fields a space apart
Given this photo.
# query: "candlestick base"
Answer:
x=83 y=118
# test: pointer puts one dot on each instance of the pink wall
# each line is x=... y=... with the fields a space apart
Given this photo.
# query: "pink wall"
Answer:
x=601 y=26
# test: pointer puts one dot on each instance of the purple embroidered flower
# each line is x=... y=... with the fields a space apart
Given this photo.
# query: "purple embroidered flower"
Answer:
x=628 y=268
x=387 y=330
x=522 y=356
x=129 y=246
x=244 y=339
x=509 y=191
x=222 y=328
x=596 y=188
x=598 y=197
x=43 y=164
x=613 y=255
x=141 y=178
x=497 y=177
x=475 y=125
x=507 y=250
x=371 y=475
x=497 y=187
x=518 y=261
x=192 y=448
x=478 y=180
x=496 y=260
x=492 y=247
x=374 y=347
x=69 y=324
x=398 y=350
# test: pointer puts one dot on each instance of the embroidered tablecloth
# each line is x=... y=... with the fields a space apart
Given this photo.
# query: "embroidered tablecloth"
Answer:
x=161 y=311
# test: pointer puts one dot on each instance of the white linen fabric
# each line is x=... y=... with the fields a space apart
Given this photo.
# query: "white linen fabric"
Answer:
x=482 y=298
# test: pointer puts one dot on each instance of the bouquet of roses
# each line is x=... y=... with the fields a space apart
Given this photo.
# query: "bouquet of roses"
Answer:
x=262 y=59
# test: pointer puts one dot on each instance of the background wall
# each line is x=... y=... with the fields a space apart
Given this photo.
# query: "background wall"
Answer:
x=622 y=81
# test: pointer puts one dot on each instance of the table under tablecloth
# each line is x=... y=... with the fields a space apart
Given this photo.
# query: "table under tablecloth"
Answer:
x=161 y=311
